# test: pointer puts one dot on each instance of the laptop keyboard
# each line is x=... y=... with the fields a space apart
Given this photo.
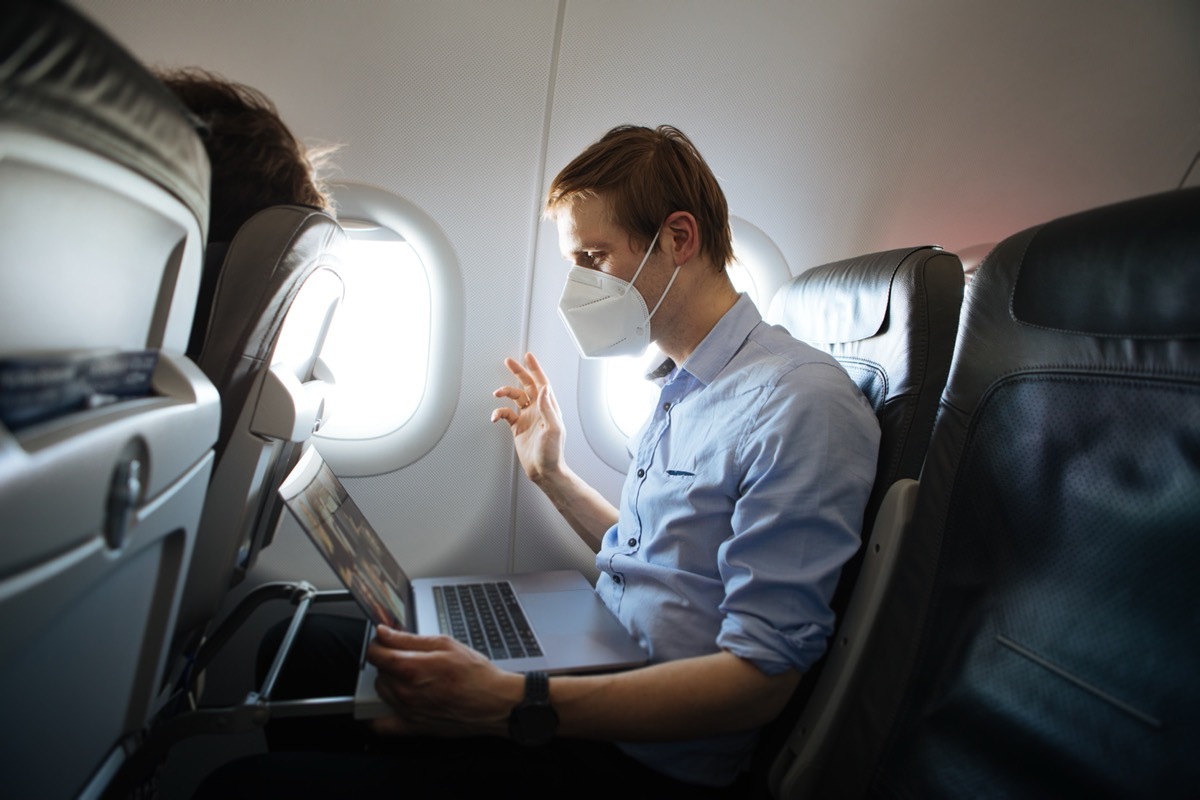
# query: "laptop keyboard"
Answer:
x=487 y=617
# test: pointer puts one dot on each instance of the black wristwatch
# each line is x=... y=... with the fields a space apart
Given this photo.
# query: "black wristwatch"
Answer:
x=533 y=722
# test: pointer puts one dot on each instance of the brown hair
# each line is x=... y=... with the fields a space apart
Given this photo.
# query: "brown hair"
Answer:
x=257 y=162
x=647 y=174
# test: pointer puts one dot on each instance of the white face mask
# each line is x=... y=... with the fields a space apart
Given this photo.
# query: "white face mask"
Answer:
x=605 y=315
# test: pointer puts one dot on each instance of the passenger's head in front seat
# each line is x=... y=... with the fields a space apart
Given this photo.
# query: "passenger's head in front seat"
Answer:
x=257 y=162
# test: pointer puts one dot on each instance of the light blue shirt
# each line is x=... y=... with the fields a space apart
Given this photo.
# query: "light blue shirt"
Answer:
x=744 y=499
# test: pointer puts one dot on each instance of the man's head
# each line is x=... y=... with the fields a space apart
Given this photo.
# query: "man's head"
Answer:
x=257 y=162
x=646 y=174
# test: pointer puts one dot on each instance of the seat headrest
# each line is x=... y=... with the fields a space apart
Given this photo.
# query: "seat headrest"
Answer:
x=853 y=296
x=66 y=77
x=1129 y=270
x=265 y=265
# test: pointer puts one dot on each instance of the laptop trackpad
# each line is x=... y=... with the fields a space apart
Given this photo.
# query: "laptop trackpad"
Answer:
x=563 y=612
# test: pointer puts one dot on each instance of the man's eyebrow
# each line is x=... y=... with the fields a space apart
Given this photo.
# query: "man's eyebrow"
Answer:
x=583 y=249
x=592 y=247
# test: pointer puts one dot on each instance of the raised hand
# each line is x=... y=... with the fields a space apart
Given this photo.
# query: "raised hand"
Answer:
x=535 y=421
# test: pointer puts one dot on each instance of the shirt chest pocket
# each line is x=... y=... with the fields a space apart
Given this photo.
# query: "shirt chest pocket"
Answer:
x=696 y=460
x=681 y=471
x=700 y=443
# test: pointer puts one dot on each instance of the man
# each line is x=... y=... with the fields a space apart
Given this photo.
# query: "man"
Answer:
x=744 y=499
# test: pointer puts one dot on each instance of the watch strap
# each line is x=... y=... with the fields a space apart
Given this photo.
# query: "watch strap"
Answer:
x=537 y=687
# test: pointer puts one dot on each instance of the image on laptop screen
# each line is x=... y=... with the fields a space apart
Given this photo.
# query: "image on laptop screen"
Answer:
x=337 y=527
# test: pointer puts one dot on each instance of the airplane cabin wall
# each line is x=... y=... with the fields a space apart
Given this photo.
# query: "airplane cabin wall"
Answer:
x=836 y=128
x=443 y=104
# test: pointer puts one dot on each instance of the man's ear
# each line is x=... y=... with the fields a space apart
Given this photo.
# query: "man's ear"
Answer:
x=683 y=237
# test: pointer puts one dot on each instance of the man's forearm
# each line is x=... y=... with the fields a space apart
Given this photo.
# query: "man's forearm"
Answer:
x=686 y=699
x=584 y=509
x=440 y=686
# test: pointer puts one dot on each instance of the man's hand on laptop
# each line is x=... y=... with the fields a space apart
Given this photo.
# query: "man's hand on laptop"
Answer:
x=440 y=687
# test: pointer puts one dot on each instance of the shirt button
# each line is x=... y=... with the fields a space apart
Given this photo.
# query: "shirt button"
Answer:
x=666 y=406
x=641 y=473
x=632 y=542
x=616 y=578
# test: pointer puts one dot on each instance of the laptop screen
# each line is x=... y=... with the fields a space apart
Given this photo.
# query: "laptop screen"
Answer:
x=346 y=540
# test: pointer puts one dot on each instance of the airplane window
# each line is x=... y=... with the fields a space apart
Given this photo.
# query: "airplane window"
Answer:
x=396 y=372
x=385 y=310
x=615 y=397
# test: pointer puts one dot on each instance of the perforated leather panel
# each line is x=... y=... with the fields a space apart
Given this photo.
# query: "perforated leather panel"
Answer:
x=1040 y=636
x=1063 y=655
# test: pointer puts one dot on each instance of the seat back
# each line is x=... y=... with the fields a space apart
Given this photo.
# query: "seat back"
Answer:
x=275 y=295
x=1040 y=635
x=890 y=319
x=106 y=431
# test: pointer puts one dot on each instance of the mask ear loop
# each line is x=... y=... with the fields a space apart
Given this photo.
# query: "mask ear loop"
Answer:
x=646 y=258
x=664 y=294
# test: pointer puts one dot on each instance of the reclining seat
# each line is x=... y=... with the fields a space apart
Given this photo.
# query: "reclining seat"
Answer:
x=106 y=430
x=1040 y=635
x=890 y=319
x=276 y=293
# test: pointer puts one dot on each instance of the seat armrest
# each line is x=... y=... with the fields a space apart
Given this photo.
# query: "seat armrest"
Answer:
x=287 y=409
x=797 y=769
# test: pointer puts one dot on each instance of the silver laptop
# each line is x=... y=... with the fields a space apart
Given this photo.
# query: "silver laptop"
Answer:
x=549 y=621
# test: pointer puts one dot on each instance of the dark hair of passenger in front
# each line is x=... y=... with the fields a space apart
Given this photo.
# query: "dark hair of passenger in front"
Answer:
x=646 y=174
x=257 y=162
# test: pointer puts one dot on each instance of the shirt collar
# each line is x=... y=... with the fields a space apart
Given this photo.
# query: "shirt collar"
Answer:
x=723 y=342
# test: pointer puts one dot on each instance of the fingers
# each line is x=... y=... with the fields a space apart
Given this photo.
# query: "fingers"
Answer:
x=392 y=650
x=537 y=376
x=531 y=392
x=510 y=415
x=530 y=374
x=519 y=372
x=519 y=396
x=403 y=640
x=434 y=684
x=549 y=400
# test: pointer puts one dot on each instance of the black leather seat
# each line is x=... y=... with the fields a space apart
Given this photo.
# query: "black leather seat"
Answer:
x=1040 y=636
x=890 y=319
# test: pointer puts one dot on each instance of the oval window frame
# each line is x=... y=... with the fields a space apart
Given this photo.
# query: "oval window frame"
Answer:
x=377 y=455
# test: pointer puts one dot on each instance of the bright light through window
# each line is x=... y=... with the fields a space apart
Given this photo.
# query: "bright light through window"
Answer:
x=378 y=349
x=629 y=395
x=743 y=281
